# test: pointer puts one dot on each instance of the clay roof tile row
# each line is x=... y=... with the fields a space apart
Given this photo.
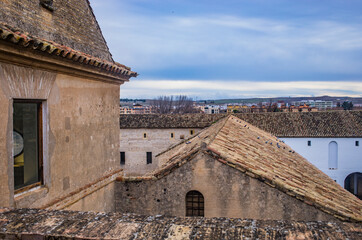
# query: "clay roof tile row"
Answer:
x=298 y=124
x=9 y=34
x=45 y=224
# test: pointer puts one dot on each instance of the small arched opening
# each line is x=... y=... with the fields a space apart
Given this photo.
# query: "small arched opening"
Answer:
x=195 y=204
x=353 y=183
x=333 y=155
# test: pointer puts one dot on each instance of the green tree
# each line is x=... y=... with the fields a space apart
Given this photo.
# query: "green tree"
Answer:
x=347 y=105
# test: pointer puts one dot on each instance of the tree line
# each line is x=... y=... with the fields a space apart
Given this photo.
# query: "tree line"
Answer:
x=173 y=104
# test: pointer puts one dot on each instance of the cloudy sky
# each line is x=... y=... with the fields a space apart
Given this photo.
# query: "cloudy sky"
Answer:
x=210 y=49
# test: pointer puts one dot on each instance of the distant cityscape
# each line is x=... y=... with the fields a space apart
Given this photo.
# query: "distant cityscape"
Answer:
x=255 y=105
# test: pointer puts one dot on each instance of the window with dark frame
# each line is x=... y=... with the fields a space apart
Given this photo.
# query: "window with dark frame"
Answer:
x=357 y=143
x=192 y=132
x=195 y=204
x=149 y=157
x=123 y=158
x=309 y=143
x=172 y=135
x=144 y=135
x=27 y=144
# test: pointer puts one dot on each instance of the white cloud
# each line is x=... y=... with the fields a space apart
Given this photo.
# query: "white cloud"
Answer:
x=149 y=43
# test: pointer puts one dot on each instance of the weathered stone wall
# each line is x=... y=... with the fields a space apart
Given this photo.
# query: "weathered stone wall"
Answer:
x=81 y=138
x=72 y=24
x=227 y=192
x=98 y=201
x=157 y=140
x=5 y=196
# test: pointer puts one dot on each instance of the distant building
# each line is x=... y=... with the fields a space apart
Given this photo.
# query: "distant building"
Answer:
x=211 y=109
x=137 y=109
x=318 y=104
x=143 y=137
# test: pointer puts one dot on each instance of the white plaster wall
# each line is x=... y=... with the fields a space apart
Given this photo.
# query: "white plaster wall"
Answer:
x=135 y=146
x=349 y=155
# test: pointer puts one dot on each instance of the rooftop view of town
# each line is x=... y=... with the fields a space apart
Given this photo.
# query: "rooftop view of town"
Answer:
x=180 y=119
x=255 y=105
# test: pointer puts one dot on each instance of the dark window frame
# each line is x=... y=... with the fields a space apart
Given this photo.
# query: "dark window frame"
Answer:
x=149 y=157
x=122 y=158
x=356 y=143
x=40 y=105
x=195 y=204
x=309 y=143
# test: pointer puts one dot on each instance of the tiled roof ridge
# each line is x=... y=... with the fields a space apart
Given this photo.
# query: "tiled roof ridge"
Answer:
x=24 y=39
x=194 y=136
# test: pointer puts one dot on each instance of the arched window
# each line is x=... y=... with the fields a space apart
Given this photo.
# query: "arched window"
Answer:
x=194 y=204
x=333 y=155
x=353 y=183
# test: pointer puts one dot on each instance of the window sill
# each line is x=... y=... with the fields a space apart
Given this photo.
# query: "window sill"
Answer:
x=27 y=188
x=34 y=188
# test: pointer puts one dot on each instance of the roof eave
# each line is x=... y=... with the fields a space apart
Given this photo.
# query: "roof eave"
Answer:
x=13 y=54
x=14 y=42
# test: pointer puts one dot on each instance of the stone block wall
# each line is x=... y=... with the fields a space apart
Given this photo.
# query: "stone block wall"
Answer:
x=227 y=193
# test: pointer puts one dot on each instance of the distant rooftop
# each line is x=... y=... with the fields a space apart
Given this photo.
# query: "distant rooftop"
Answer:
x=45 y=224
x=192 y=120
x=291 y=124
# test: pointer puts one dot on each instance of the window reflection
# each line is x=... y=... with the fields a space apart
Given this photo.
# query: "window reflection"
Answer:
x=26 y=139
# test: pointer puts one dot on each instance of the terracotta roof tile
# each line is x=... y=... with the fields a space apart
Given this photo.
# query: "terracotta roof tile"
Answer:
x=42 y=224
x=22 y=39
x=168 y=120
x=298 y=124
x=308 y=124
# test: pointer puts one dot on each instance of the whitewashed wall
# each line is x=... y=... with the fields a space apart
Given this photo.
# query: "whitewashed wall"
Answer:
x=157 y=140
x=349 y=155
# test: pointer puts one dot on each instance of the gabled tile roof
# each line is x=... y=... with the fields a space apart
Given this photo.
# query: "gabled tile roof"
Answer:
x=24 y=40
x=263 y=156
x=42 y=224
x=298 y=124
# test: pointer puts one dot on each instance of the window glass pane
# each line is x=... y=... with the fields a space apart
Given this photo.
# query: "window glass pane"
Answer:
x=149 y=157
x=123 y=158
x=26 y=144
